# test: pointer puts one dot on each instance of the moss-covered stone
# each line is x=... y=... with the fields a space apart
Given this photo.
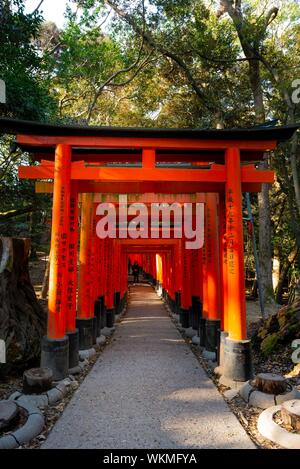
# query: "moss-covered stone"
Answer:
x=279 y=329
x=269 y=344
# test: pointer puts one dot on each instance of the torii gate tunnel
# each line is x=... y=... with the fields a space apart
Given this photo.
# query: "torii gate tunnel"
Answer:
x=206 y=286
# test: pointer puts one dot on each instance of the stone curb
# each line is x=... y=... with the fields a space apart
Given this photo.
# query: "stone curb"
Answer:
x=270 y=430
x=107 y=331
x=86 y=354
x=33 y=427
x=76 y=370
x=190 y=332
x=42 y=400
x=263 y=400
x=101 y=340
x=209 y=355
x=229 y=383
x=196 y=340
x=122 y=314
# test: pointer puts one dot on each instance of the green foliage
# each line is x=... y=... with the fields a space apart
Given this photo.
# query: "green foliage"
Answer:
x=28 y=95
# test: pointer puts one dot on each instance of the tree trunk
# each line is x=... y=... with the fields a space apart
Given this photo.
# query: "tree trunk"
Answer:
x=22 y=319
x=294 y=168
x=284 y=273
x=265 y=241
x=251 y=53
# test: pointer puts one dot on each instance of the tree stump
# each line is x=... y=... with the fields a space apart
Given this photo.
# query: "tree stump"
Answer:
x=22 y=318
x=270 y=383
x=290 y=414
x=37 y=380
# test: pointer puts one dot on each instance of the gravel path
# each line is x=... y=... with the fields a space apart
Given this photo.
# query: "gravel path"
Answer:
x=147 y=390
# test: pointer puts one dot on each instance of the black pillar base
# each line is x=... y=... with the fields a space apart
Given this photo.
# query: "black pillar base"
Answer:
x=55 y=355
x=172 y=304
x=202 y=331
x=197 y=312
x=103 y=317
x=86 y=333
x=110 y=317
x=190 y=316
x=97 y=313
x=94 y=330
x=117 y=302
x=184 y=317
x=177 y=302
x=103 y=312
x=73 y=348
x=237 y=360
x=212 y=329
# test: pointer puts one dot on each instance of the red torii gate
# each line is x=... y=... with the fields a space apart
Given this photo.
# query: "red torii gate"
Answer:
x=160 y=161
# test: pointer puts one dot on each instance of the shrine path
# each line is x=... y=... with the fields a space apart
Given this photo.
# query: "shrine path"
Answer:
x=147 y=390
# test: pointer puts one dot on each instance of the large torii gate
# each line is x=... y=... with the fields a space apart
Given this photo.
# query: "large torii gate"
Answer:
x=182 y=162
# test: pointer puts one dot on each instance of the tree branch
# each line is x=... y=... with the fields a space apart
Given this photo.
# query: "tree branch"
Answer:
x=271 y=15
x=160 y=48
x=112 y=77
x=38 y=7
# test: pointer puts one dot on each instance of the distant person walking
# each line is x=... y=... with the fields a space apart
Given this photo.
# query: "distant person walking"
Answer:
x=136 y=271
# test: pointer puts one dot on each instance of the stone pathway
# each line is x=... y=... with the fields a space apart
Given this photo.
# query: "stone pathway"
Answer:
x=147 y=390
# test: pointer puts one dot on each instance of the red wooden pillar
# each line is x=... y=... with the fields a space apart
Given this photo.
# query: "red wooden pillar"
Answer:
x=117 y=273
x=204 y=272
x=98 y=280
x=110 y=283
x=85 y=310
x=171 y=275
x=72 y=332
x=237 y=356
x=100 y=272
x=55 y=347
x=164 y=273
x=94 y=263
x=213 y=320
x=186 y=288
x=196 y=288
x=123 y=276
x=178 y=275
x=224 y=285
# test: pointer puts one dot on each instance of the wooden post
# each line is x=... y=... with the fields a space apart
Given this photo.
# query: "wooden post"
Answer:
x=224 y=283
x=213 y=322
x=72 y=263
x=237 y=353
x=85 y=311
x=185 y=291
x=110 y=284
x=72 y=332
x=55 y=347
x=235 y=248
